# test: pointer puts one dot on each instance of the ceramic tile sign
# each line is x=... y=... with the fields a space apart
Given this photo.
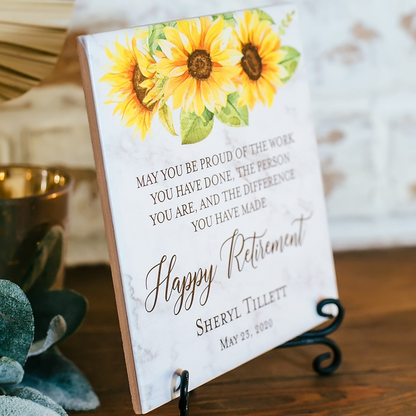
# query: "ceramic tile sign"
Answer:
x=211 y=190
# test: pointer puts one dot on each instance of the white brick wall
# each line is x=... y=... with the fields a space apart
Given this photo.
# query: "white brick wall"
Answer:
x=5 y=149
x=361 y=60
x=361 y=57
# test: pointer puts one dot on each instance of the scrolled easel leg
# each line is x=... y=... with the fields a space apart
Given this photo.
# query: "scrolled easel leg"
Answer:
x=319 y=337
x=308 y=338
x=184 y=395
x=335 y=362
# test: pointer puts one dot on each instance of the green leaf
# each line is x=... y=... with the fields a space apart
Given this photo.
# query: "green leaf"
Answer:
x=16 y=322
x=56 y=332
x=37 y=397
x=285 y=23
x=165 y=117
x=156 y=32
x=228 y=18
x=290 y=61
x=231 y=114
x=291 y=54
x=194 y=128
x=19 y=407
x=264 y=16
x=71 y=306
x=46 y=262
x=289 y=16
x=11 y=372
x=58 y=378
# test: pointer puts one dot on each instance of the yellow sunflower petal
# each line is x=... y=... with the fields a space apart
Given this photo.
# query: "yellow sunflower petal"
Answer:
x=143 y=62
x=228 y=57
x=140 y=33
x=172 y=84
x=198 y=102
x=242 y=32
x=261 y=32
x=273 y=77
x=220 y=96
x=152 y=96
x=147 y=84
x=179 y=88
x=190 y=28
x=190 y=95
x=168 y=48
x=207 y=96
x=247 y=20
x=258 y=91
x=254 y=24
x=108 y=52
x=220 y=43
x=159 y=54
x=270 y=44
x=213 y=33
x=268 y=90
x=222 y=80
x=204 y=26
x=166 y=67
x=178 y=38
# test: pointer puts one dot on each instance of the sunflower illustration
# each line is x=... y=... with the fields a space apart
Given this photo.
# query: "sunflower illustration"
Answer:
x=200 y=59
x=260 y=72
x=136 y=87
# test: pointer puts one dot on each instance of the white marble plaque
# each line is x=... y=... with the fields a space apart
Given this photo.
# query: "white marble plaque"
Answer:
x=211 y=189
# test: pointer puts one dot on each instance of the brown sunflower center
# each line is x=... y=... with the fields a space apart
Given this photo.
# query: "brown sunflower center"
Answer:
x=251 y=62
x=200 y=64
x=141 y=92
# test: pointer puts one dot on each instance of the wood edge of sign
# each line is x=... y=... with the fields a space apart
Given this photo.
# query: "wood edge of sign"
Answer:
x=109 y=229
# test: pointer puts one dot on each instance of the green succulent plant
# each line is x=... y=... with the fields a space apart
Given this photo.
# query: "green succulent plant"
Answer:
x=35 y=378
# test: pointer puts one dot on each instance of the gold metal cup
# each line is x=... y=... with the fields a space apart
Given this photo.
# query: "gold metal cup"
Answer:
x=32 y=201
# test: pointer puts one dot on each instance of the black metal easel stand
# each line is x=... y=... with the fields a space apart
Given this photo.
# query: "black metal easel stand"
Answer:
x=308 y=338
x=319 y=337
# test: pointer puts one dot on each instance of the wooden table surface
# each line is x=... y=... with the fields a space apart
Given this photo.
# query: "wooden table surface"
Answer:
x=378 y=341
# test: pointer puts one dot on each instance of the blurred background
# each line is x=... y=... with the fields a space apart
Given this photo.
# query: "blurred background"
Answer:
x=361 y=59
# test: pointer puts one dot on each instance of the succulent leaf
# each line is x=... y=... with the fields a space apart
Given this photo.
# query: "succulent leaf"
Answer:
x=37 y=397
x=71 y=306
x=58 y=378
x=16 y=322
x=21 y=407
x=11 y=372
x=56 y=332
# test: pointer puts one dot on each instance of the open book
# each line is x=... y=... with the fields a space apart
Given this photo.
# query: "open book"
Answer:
x=32 y=33
x=211 y=189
